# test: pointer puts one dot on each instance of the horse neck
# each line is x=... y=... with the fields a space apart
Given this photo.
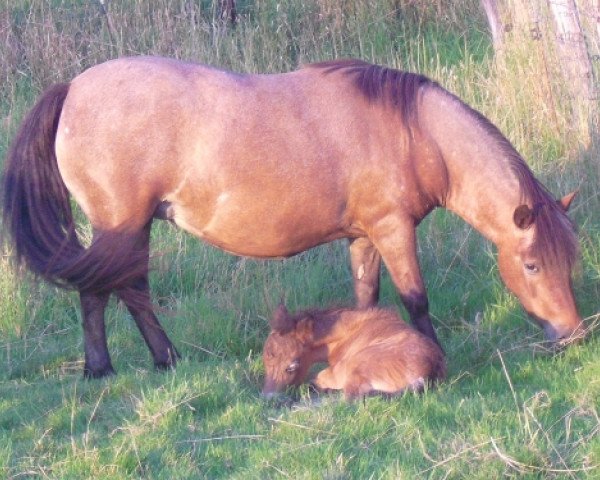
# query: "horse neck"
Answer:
x=482 y=187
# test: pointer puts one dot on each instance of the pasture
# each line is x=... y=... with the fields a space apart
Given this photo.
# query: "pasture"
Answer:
x=510 y=405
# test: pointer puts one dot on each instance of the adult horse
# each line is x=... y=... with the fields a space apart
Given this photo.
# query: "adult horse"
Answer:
x=269 y=166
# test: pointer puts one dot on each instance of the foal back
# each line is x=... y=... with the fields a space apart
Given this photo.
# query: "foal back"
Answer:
x=380 y=354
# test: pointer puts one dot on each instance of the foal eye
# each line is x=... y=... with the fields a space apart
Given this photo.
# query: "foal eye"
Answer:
x=531 y=268
x=293 y=367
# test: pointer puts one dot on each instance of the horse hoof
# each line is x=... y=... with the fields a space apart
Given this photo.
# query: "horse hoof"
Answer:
x=89 y=373
x=169 y=362
x=168 y=365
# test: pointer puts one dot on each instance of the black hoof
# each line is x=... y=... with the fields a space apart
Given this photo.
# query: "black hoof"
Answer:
x=162 y=366
x=89 y=373
x=169 y=362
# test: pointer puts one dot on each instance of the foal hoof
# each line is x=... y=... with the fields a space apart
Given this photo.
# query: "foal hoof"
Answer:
x=89 y=373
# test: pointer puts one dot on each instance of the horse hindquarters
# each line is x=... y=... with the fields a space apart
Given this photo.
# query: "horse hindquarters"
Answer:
x=38 y=218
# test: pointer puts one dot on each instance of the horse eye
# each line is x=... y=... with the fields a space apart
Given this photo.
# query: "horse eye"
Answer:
x=531 y=268
x=293 y=367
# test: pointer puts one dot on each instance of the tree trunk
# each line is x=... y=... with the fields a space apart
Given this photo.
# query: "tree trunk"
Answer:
x=496 y=28
x=572 y=48
x=228 y=11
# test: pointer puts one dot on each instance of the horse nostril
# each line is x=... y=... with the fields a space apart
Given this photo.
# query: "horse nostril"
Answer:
x=551 y=333
x=575 y=336
x=564 y=336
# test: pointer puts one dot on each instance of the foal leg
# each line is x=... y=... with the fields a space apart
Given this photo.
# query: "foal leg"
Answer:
x=137 y=299
x=327 y=380
x=396 y=241
x=97 y=358
x=366 y=264
x=357 y=386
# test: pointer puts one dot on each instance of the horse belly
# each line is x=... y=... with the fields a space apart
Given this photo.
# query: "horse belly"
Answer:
x=260 y=226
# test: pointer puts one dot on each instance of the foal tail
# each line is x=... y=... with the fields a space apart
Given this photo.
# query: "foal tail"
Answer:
x=37 y=213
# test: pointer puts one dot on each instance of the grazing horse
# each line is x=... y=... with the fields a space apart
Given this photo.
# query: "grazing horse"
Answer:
x=268 y=166
x=369 y=351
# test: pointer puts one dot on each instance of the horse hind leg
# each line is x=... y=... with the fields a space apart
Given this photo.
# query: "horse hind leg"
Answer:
x=97 y=358
x=137 y=299
x=365 y=261
x=94 y=292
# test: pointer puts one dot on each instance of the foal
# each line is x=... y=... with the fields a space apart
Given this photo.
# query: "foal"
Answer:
x=369 y=351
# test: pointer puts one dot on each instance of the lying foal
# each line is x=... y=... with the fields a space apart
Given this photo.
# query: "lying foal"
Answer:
x=369 y=352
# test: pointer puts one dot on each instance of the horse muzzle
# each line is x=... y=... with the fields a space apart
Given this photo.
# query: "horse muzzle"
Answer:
x=564 y=335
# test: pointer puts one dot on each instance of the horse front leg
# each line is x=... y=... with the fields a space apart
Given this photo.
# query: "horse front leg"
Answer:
x=365 y=261
x=396 y=241
x=97 y=358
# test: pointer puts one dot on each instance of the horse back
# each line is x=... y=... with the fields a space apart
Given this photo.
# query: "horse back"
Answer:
x=260 y=165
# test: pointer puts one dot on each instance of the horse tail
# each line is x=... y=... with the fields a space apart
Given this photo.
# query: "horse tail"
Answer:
x=37 y=213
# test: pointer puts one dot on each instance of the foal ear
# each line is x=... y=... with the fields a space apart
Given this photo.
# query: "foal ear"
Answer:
x=565 y=202
x=304 y=329
x=281 y=321
x=523 y=216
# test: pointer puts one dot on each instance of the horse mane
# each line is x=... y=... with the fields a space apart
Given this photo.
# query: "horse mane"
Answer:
x=378 y=83
x=555 y=240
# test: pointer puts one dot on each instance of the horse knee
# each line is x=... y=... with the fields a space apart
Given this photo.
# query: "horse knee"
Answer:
x=416 y=303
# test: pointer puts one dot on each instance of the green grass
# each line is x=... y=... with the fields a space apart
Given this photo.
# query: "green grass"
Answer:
x=509 y=408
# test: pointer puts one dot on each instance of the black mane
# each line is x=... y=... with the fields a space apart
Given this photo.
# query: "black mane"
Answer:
x=555 y=240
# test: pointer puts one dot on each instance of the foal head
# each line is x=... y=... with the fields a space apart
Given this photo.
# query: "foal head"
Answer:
x=286 y=351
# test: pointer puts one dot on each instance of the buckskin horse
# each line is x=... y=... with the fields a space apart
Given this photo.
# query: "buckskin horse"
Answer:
x=269 y=166
x=370 y=351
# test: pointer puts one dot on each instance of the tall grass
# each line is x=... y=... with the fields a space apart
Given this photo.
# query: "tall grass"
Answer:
x=509 y=408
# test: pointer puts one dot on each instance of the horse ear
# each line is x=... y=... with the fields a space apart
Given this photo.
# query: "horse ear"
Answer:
x=281 y=321
x=523 y=216
x=565 y=202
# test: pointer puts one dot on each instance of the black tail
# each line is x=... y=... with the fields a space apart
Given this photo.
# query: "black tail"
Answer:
x=37 y=212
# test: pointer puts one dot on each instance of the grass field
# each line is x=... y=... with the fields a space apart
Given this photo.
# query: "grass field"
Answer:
x=510 y=407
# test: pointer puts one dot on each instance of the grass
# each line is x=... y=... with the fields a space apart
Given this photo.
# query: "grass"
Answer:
x=509 y=408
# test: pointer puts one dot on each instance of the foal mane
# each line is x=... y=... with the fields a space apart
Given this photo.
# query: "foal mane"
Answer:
x=555 y=240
